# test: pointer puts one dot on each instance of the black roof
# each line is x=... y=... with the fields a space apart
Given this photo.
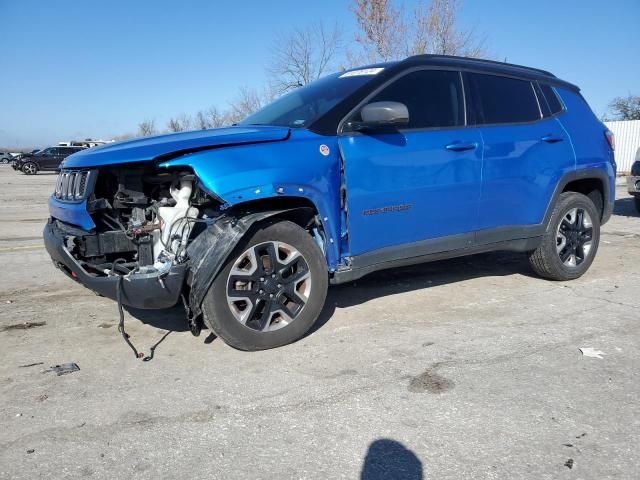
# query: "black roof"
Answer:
x=489 y=66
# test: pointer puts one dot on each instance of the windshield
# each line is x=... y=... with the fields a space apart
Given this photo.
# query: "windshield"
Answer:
x=304 y=105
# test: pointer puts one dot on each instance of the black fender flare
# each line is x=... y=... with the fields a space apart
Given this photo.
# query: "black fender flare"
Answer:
x=581 y=174
x=211 y=248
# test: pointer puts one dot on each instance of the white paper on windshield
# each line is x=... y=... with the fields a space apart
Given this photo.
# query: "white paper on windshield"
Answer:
x=362 y=71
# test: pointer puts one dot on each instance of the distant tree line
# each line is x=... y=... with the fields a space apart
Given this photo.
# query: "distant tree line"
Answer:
x=387 y=30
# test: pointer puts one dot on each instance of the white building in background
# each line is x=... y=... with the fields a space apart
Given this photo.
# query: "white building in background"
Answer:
x=84 y=143
x=627 y=142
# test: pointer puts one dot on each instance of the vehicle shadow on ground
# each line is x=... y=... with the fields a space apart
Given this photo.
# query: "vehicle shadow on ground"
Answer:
x=422 y=276
x=376 y=285
x=388 y=459
x=625 y=207
x=170 y=319
x=173 y=319
x=390 y=282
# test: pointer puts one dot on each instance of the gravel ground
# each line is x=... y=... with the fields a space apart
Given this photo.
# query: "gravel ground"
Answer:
x=458 y=369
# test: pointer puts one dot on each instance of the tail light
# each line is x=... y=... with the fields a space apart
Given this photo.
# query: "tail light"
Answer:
x=611 y=139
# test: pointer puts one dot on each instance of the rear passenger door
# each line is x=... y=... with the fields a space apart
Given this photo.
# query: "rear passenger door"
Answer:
x=524 y=156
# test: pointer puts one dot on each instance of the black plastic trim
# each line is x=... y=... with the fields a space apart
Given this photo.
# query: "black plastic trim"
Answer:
x=360 y=268
x=138 y=291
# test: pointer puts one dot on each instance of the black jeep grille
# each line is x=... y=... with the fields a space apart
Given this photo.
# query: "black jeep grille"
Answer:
x=72 y=185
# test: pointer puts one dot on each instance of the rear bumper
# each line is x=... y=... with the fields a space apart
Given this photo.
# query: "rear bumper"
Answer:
x=144 y=291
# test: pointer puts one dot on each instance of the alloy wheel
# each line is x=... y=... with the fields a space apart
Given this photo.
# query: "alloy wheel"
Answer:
x=574 y=237
x=29 y=169
x=268 y=286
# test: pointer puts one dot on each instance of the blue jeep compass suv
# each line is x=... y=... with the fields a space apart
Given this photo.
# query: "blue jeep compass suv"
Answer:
x=392 y=164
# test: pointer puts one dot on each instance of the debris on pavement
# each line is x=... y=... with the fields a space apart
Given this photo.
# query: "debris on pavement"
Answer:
x=64 y=369
x=23 y=326
x=591 y=352
x=569 y=463
x=31 y=450
x=30 y=365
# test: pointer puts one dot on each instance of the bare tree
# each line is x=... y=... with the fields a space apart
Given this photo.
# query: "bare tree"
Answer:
x=625 y=108
x=180 y=124
x=436 y=31
x=433 y=28
x=246 y=102
x=217 y=118
x=173 y=125
x=147 y=128
x=211 y=118
x=383 y=31
x=303 y=55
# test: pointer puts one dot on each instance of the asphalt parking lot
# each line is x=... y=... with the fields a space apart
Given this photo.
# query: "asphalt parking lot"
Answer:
x=461 y=369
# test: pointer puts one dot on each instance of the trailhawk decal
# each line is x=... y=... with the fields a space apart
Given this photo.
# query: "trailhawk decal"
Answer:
x=390 y=209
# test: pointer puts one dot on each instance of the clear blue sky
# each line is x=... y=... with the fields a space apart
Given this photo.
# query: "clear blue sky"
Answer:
x=76 y=69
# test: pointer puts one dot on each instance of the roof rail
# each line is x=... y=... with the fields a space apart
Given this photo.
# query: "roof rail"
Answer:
x=482 y=60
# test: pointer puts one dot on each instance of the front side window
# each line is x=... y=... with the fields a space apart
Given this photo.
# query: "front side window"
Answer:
x=499 y=100
x=433 y=97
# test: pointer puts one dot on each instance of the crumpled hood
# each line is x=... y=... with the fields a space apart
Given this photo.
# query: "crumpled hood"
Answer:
x=150 y=148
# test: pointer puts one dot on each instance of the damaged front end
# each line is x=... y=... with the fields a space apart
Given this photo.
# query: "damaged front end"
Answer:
x=125 y=231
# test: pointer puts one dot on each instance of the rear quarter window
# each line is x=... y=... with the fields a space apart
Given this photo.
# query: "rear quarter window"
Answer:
x=500 y=100
x=552 y=98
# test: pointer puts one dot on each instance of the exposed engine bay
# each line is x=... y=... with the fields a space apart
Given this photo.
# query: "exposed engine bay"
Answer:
x=144 y=221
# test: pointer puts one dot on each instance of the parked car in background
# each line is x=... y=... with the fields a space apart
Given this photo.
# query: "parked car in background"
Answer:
x=5 y=157
x=633 y=182
x=387 y=165
x=48 y=159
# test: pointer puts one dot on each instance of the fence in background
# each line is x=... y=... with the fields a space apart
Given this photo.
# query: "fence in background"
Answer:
x=627 y=142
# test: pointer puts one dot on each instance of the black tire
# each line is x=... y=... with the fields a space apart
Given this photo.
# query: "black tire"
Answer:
x=545 y=260
x=636 y=200
x=217 y=312
x=30 y=168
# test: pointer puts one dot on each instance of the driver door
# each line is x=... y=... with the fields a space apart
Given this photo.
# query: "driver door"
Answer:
x=414 y=190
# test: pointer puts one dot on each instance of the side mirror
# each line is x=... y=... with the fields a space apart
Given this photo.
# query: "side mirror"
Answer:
x=382 y=114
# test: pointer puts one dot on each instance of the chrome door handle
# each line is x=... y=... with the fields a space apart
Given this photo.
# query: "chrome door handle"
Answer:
x=461 y=146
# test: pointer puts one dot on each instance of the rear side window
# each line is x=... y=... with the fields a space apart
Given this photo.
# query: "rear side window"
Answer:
x=552 y=98
x=503 y=99
x=433 y=98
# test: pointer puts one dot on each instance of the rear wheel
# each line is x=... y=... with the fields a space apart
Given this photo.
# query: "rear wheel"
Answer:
x=636 y=200
x=30 y=168
x=571 y=241
x=271 y=290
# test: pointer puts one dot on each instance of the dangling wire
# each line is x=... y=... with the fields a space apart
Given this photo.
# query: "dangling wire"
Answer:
x=121 y=329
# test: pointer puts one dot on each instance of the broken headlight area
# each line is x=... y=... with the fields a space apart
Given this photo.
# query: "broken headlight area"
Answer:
x=144 y=219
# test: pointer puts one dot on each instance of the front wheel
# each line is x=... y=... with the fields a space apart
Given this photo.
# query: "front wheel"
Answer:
x=271 y=290
x=30 y=168
x=571 y=240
